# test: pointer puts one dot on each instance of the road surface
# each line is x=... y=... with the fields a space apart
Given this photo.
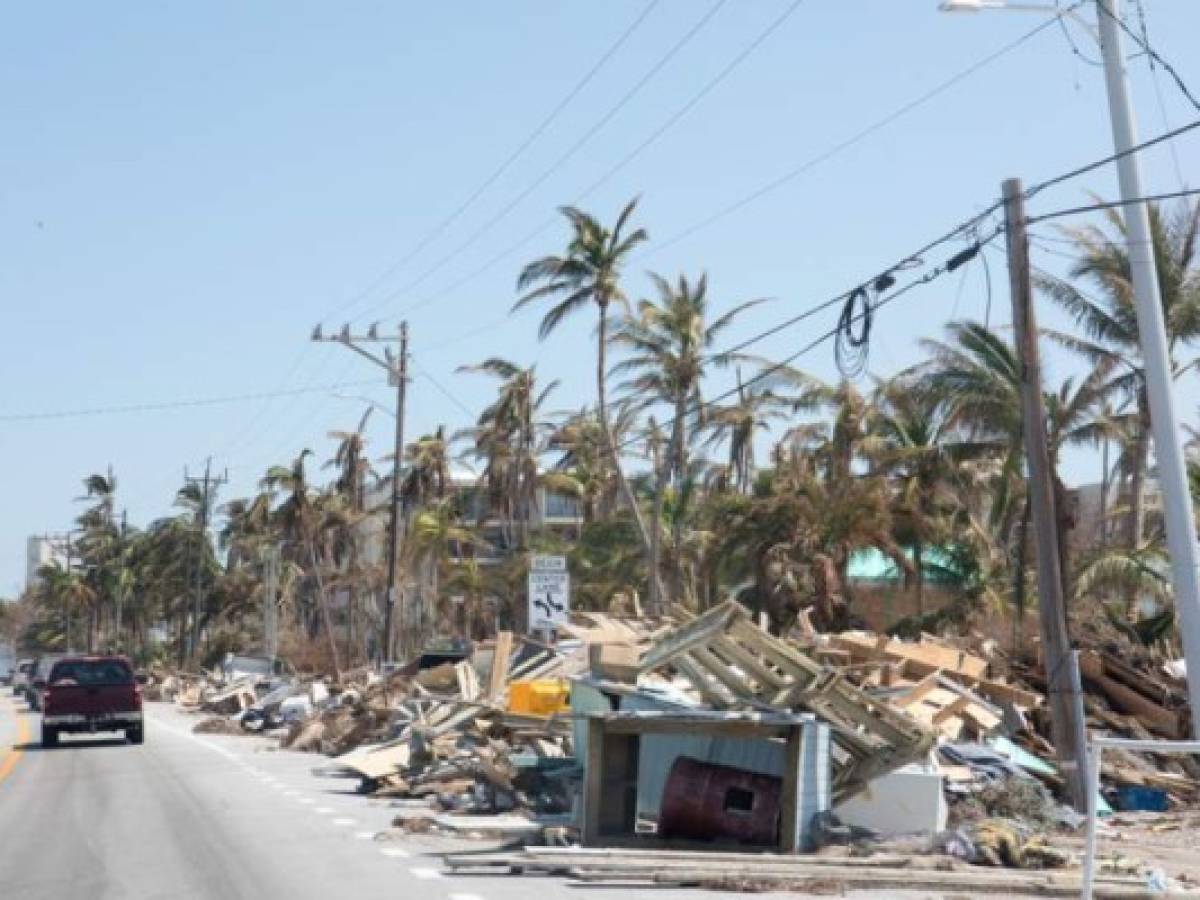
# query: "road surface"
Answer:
x=194 y=817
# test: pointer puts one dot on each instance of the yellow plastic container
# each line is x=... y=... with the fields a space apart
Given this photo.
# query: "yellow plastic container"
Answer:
x=539 y=697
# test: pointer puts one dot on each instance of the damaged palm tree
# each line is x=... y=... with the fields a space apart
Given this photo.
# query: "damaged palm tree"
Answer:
x=734 y=664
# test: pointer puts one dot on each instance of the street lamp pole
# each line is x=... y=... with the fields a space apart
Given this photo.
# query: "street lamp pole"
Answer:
x=1152 y=332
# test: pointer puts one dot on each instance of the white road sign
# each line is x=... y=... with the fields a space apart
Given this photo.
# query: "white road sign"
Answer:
x=549 y=592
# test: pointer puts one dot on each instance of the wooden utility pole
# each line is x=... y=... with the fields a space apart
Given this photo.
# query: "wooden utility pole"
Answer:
x=1066 y=722
x=208 y=486
x=397 y=369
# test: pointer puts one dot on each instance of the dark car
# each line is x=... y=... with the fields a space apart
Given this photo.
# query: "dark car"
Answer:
x=42 y=666
x=91 y=694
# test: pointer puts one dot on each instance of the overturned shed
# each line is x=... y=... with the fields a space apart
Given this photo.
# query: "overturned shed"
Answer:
x=733 y=664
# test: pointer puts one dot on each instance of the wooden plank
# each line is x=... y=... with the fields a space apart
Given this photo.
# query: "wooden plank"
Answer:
x=700 y=682
x=697 y=632
x=923 y=658
x=917 y=692
x=501 y=658
x=468 y=680
x=951 y=710
x=749 y=663
x=737 y=685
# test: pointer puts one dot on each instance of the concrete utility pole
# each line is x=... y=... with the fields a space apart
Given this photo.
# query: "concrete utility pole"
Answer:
x=397 y=369
x=1152 y=334
x=208 y=487
x=1066 y=726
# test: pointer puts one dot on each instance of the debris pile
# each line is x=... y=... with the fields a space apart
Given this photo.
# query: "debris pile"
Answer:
x=508 y=739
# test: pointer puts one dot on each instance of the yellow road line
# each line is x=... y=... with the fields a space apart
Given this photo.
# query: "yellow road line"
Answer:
x=9 y=761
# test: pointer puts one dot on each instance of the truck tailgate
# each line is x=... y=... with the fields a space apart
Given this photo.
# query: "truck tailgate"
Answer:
x=89 y=700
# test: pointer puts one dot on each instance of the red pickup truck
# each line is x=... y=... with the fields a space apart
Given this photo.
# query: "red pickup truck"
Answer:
x=92 y=693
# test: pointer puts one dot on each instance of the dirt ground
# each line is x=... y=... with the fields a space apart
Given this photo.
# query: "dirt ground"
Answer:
x=1131 y=842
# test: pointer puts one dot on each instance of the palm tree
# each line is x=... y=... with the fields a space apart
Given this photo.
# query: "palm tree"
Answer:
x=428 y=476
x=435 y=530
x=353 y=468
x=670 y=342
x=978 y=375
x=736 y=424
x=589 y=272
x=1108 y=318
x=921 y=453
x=580 y=470
x=507 y=438
x=100 y=548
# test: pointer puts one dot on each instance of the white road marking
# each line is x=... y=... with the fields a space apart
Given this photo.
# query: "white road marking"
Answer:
x=395 y=852
x=307 y=800
x=465 y=897
x=425 y=873
x=323 y=811
x=291 y=793
x=365 y=835
x=343 y=822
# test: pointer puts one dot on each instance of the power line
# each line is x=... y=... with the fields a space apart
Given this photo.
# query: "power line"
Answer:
x=687 y=107
x=846 y=320
x=441 y=227
x=637 y=151
x=562 y=160
x=1150 y=52
x=504 y=166
x=443 y=390
x=879 y=277
x=1033 y=190
x=856 y=138
x=1158 y=92
x=813 y=162
x=1114 y=204
x=174 y=404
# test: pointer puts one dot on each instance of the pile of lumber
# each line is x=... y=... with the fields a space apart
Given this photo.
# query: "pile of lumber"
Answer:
x=462 y=747
x=731 y=663
x=816 y=874
x=938 y=683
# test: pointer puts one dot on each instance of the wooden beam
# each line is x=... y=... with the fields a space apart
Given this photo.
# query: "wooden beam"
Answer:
x=501 y=657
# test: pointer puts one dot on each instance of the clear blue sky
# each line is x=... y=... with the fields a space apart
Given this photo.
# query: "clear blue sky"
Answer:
x=185 y=189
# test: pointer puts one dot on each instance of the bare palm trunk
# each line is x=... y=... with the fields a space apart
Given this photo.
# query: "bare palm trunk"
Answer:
x=919 y=575
x=679 y=463
x=655 y=599
x=610 y=448
x=1104 y=487
x=324 y=605
x=1137 y=486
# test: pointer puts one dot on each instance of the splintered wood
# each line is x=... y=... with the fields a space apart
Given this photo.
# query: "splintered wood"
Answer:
x=733 y=664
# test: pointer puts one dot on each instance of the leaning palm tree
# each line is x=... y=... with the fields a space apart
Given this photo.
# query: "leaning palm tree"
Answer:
x=589 y=273
x=1108 y=317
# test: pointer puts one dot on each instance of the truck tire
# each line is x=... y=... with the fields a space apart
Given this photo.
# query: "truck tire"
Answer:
x=135 y=735
x=49 y=737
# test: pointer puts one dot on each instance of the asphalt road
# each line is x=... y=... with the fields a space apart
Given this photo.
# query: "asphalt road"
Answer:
x=220 y=817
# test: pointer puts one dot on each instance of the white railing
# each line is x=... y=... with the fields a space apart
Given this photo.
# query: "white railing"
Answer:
x=1095 y=750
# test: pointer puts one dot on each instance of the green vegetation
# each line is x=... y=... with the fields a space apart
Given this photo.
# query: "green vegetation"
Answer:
x=765 y=495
